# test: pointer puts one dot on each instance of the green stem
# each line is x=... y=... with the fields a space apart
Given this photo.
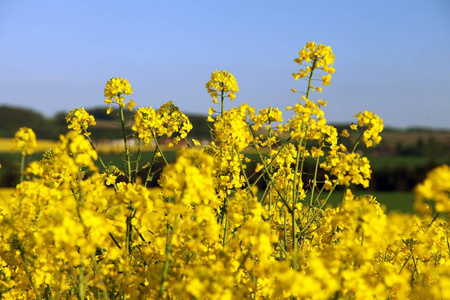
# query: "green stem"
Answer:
x=27 y=271
x=129 y=231
x=272 y=183
x=138 y=158
x=127 y=149
x=80 y=287
x=294 y=241
x=432 y=221
x=225 y=229
x=358 y=140
x=22 y=167
x=314 y=181
x=98 y=275
x=150 y=167
x=225 y=201
x=316 y=200
x=270 y=163
x=93 y=147
x=224 y=220
x=295 y=186
x=313 y=189
x=165 y=270
x=285 y=235
x=410 y=255
x=114 y=240
x=221 y=102
x=270 y=176
x=266 y=170
x=313 y=66
x=243 y=172
x=269 y=144
x=316 y=213
x=99 y=157
x=160 y=151
x=294 y=200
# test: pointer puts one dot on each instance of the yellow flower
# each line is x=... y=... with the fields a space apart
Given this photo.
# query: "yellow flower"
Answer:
x=79 y=148
x=373 y=126
x=266 y=115
x=78 y=120
x=115 y=88
x=322 y=103
x=319 y=57
x=436 y=187
x=24 y=141
x=131 y=104
x=167 y=120
x=259 y=167
x=111 y=173
x=231 y=128
x=326 y=80
x=190 y=177
x=223 y=82
x=348 y=168
x=345 y=133
x=316 y=152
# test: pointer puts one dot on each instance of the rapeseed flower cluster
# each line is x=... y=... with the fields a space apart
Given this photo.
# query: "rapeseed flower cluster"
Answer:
x=24 y=141
x=266 y=115
x=79 y=120
x=231 y=129
x=349 y=168
x=152 y=124
x=216 y=228
x=436 y=187
x=115 y=90
x=111 y=173
x=315 y=57
x=223 y=83
x=373 y=126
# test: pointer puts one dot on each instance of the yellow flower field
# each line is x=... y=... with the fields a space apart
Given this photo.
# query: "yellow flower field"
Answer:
x=71 y=230
x=42 y=145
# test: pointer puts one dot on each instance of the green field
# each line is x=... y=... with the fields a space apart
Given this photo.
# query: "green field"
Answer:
x=392 y=201
x=407 y=161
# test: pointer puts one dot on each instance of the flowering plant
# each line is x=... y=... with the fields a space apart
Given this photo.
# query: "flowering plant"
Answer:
x=216 y=228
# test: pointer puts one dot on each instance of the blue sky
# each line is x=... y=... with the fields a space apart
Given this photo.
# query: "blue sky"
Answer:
x=392 y=57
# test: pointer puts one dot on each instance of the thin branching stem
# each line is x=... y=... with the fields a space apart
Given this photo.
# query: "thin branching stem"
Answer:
x=22 y=166
x=125 y=143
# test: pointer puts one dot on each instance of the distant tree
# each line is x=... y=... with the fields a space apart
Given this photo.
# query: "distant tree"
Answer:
x=12 y=118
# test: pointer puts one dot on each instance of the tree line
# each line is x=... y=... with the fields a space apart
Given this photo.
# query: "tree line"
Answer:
x=398 y=178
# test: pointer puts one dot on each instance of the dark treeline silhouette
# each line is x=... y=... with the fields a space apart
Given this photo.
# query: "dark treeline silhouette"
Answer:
x=433 y=145
x=108 y=125
x=12 y=118
x=400 y=178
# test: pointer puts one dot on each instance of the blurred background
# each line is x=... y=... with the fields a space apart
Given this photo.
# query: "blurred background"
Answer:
x=392 y=58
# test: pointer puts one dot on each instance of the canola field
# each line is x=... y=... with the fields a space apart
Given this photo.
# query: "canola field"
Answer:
x=72 y=230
